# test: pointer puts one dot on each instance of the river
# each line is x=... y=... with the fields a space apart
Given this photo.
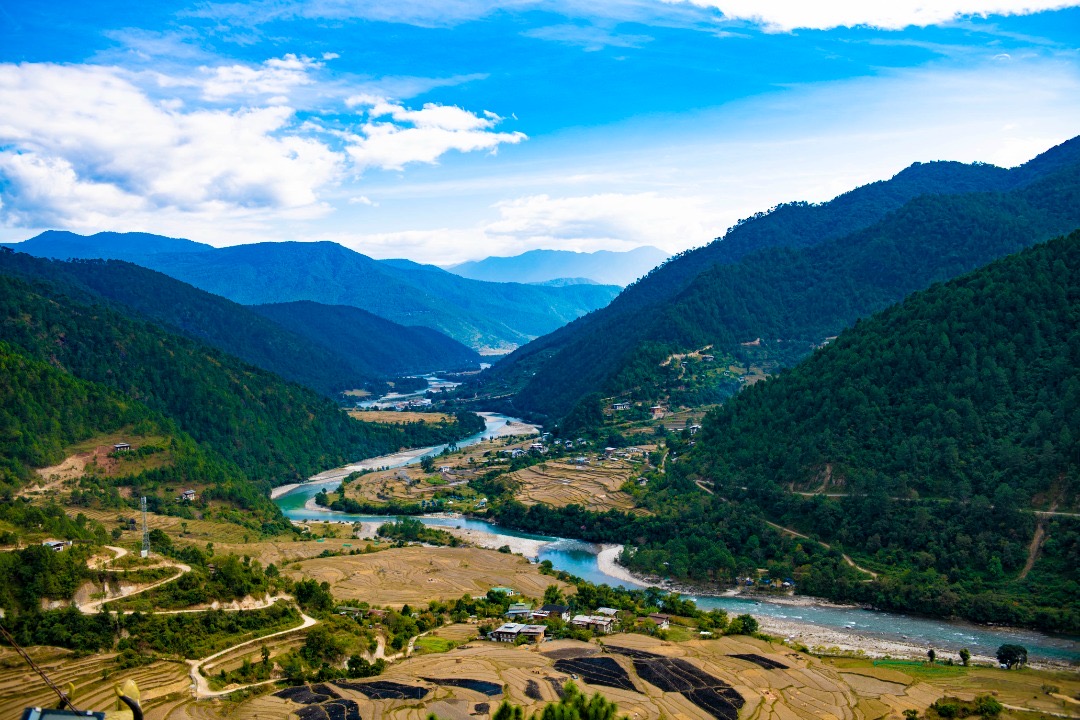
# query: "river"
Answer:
x=580 y=558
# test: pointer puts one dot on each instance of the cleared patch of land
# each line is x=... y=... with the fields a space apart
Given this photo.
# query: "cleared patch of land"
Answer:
x=395 y=416
x=562 y=482
x=415 y=575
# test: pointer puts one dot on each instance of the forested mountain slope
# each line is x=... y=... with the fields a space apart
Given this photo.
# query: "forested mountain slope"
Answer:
x=823 y=267
x=477 y=314
x=367 y=339
x=364 y=351
x=272 y=431
x=938 y=425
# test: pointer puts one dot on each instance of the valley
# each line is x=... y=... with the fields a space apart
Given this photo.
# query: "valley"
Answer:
x=824 y=466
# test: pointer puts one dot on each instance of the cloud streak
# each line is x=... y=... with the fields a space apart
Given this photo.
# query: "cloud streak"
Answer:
x=789 y=15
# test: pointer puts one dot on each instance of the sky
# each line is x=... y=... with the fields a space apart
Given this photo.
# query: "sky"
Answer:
x=447 y=130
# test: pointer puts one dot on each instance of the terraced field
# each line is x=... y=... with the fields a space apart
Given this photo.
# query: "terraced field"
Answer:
x=93 y=677
x=563 y=482
x=415 y=575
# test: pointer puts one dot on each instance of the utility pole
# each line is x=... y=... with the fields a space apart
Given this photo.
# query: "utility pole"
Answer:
x=145 y=531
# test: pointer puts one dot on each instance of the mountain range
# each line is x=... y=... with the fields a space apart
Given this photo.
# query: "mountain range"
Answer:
x=603 y=267
x=482 y=315
x=329 y=349
x=779 y=283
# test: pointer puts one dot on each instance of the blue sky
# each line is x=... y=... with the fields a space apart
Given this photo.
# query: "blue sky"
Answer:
x=455 y=129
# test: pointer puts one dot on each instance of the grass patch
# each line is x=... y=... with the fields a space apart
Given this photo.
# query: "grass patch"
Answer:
x=431 y=644
x=919 y=669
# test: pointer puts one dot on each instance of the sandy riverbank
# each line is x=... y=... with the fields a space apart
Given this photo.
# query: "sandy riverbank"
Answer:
x=480 y=538
x=607 y=563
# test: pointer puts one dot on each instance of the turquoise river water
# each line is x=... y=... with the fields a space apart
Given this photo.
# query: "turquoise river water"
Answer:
x=579 y=558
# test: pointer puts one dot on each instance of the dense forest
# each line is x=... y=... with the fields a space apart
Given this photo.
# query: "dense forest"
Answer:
x=325 y=348
x=74 y=371
x=939 y=425
x=794 y=277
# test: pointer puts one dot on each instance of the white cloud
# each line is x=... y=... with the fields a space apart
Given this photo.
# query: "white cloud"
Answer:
x=95 y=147
x=276 y=76
x=422 y=136
x=788 y=15
x=81 y=141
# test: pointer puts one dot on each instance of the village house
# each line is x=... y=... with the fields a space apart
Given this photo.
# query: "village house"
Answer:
x=550 y=611
x=519 y=610
x=508 y=592
x=657 y=412
x=662 y=621
x=607 y=612
x=121 y=447
x=188 y=495
x=621 y=406
x=596 y=623
x=56 y=545
x=693 y=429
x=510 y=632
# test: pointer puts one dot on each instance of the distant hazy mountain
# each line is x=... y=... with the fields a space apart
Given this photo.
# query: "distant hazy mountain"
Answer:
x=63 y=245
x=542 y=266
x=478 y=314
x=329 y=349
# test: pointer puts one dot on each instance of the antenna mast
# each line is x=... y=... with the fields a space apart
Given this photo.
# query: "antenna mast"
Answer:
x=145 y=531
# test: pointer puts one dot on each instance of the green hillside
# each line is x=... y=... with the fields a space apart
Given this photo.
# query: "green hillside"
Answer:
x=794 y=277
x=78 y=370
x=384 y=348
x=924 y=437
x=305 y=347
x=475 y=313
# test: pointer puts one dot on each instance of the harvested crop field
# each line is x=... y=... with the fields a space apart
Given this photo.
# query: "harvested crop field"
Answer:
x=386 y=690
x=761 y=661
x=561 y=482
x=416 y=575
x=605 y=671
x=398 y=417
x=484 y=687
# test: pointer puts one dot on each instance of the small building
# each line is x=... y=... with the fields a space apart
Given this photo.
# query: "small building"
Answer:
x=620 y=406
x=707 y=358
x=550 y=611
x=516 y=452
x=519 y=610
x=662 y=621
x=607 y=612
x=581 y=460
x=445 y=468
x=121 y=447
x=537 y=447
x=610 y=451
x=657 y=412
x=510 y=632
x=693 y=429
x=596 y=623
x=188 y=495
x=56 y=545
x=508 y=592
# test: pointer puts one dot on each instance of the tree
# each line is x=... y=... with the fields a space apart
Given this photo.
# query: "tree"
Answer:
x=553 y=595
x=427 y=463
x=911 y=714
x=1012 y=655
x=932 y=655
x=965 y=657
x=743 y=625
